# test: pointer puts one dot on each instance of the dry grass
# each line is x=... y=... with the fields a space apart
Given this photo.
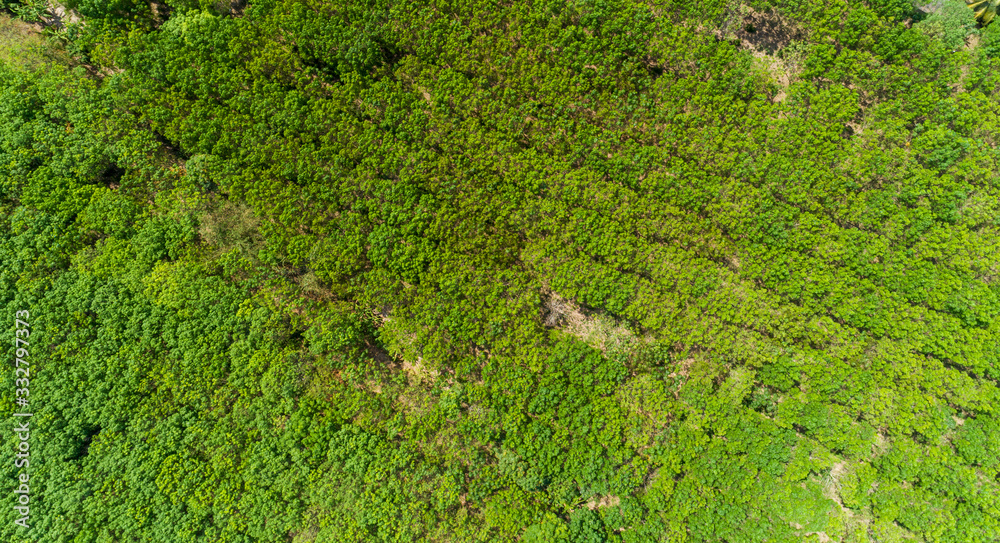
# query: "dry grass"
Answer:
x=603 y=501
x=598 y=330
x=417 y=373
x=762 y=31
x=22 y=45
x=231 y=226
x=312 y=284
x=831 y=485
x=774 y=42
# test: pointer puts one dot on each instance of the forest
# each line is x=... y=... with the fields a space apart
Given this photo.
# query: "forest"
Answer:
x=443 y=271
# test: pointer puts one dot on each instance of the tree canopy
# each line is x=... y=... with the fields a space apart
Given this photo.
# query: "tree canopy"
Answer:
x=443 y=271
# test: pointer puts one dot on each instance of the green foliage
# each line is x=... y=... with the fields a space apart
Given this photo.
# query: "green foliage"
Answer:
x=977 y=443
x=584 y=271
